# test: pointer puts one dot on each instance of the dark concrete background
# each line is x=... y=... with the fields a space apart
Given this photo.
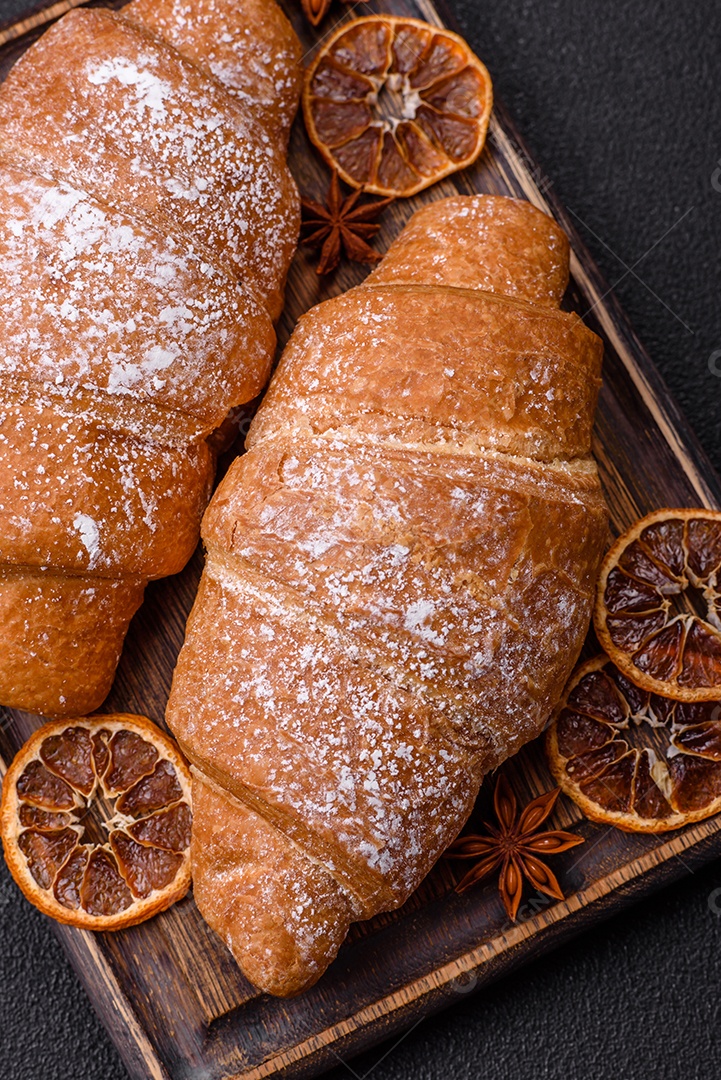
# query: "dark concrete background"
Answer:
x=620 y=103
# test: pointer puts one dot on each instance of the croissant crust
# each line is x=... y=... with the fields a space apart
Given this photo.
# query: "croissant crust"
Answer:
x=147 y=220
x=398 y=582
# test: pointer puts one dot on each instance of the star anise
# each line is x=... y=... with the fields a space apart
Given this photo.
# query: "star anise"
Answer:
x=342 y=225
x=515 y=846
x=316 y=10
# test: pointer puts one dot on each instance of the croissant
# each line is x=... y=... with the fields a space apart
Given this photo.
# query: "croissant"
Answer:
x=398 y=582
x=147 y=221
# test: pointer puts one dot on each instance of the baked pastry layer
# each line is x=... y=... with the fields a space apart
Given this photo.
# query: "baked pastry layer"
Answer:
x=399 y=579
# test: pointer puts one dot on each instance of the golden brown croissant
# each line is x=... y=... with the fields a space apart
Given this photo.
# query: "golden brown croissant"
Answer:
x=147 y=221
x=398 y=582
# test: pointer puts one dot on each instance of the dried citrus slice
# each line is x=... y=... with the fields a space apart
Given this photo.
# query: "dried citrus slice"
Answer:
x=95 y=821
x=395 y=104
x=658 y=613
x=635 y=759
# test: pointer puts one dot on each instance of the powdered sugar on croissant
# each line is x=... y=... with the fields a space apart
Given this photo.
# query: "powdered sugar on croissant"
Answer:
x=398 y=583
x=147 y=220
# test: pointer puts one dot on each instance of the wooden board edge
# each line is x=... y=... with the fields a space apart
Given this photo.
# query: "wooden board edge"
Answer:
x=476 y=969
x=39 y=18
x=110 y=1003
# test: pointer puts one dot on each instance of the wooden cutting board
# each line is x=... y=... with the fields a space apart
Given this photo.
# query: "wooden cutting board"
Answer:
x=168 y=992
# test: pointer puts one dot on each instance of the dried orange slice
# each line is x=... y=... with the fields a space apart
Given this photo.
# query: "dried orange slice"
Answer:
x=95 y=819
x=634 y=759
x=395 y=104
x=658 y=607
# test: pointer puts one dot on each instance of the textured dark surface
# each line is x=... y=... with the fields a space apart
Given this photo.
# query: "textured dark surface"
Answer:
x=619 y=102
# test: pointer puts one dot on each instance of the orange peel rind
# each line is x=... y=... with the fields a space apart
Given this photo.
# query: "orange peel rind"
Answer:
x=95 y=819
x=631 y=758
x=658 y=605
x=395 y=104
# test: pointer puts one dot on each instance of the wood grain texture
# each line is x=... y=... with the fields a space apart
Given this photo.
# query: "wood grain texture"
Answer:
x=169 y=993
x=38 y=19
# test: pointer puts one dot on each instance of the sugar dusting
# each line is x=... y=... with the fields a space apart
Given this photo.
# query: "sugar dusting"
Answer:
x=150 y=91
x=129 y=329
x=89 y=537
x=368 y=639
x=249 y=47
x=146 y=130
